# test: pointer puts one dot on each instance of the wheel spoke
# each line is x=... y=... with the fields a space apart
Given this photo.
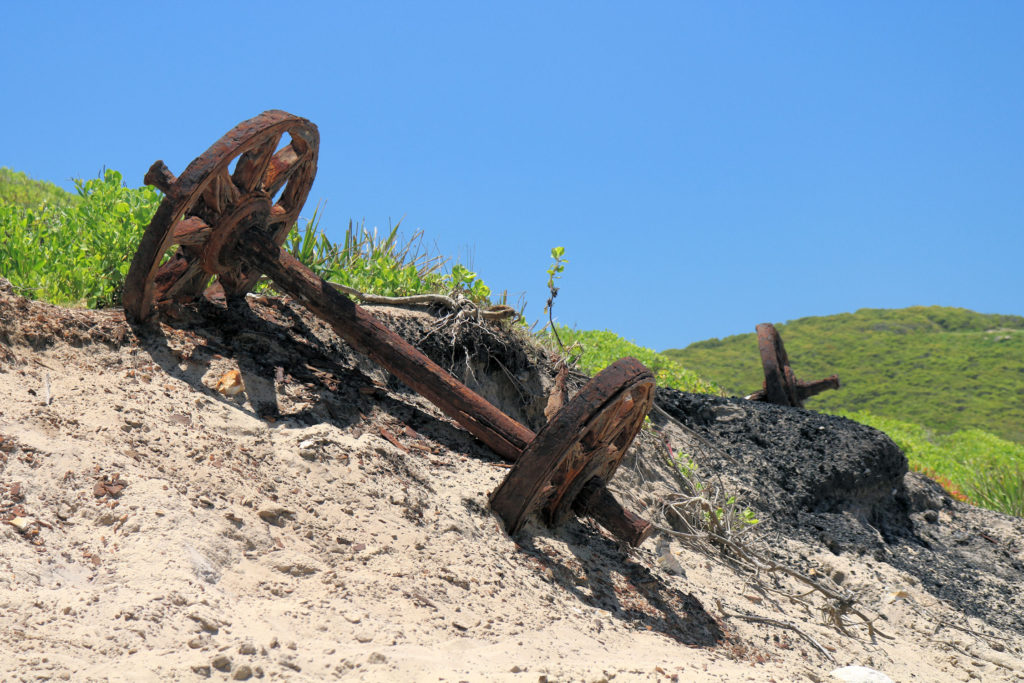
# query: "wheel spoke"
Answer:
x=252 y=166
x=280 y=214
x=192 y=272
x=280 y=169
x=294 y=195
x=221 y=194
x=192 y=231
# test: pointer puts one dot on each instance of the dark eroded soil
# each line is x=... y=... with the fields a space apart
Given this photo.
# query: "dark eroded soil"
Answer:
x=847 y=486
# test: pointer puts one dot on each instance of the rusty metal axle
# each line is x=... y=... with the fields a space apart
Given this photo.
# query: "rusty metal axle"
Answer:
x=227 y=224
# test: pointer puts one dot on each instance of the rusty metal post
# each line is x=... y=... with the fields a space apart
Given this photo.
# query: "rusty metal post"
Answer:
x=781 y=386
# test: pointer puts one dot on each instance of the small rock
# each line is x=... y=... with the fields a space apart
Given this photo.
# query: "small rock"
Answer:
x=20 y=523
x=202 y=670
x=728 y=413
x=289 y=662
x=131 y=527
x=230 y=383
x=465 y=624
x=353 y=617
x=107 y=518
x=221 y=663
x=307 y=449
x=376 y=658
x=199 y=641
x=670 y=563
x=64 y=512
x=295 y=565
x=247 y=648
x=205 y=623
x=291 y=645
x=931 y=516
x=242 y=673
x=516 y=669
x=274 y=514
x=860 y=674
x=364 y=636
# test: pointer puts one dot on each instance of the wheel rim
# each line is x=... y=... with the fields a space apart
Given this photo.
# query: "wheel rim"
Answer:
x=777 y=373
x=169 y=266
x=588 y=438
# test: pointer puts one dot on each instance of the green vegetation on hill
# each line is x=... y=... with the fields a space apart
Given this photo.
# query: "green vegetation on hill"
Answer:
x=75 y=250
x=601 y=348
x=948 y=369
x=18 y=189
x=971 y=464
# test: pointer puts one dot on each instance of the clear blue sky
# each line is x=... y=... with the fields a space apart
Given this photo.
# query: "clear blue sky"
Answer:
x=707 y=166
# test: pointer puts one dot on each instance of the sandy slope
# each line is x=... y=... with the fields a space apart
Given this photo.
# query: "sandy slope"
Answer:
x=171 y=532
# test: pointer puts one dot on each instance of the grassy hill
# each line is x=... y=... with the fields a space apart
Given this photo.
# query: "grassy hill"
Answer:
x=944 y=368
x=17 y=189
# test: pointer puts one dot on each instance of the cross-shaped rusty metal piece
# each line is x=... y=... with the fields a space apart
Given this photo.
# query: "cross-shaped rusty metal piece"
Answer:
x=780 y=384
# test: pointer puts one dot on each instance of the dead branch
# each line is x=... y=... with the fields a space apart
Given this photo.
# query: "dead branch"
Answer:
x=781 y=624
x=492 y=313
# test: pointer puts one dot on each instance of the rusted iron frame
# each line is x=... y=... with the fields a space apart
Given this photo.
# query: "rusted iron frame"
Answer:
x=369 y=336
x=564 y=469
x=217 y=238
x=781 y=385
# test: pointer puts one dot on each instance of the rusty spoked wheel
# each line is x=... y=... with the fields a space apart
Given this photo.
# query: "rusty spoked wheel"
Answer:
x=585 y=440
x=779 y=380
x=211 y=205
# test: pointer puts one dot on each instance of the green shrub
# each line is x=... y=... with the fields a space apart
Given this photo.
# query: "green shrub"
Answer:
x=602 y=348
x=76 y=254
x=75 y=250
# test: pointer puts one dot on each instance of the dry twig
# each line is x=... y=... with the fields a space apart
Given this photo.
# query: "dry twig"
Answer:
x=501 y=312
x=781 y=624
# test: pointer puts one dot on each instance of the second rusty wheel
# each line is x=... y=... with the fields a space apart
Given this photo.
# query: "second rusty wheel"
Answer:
x=587 y=438
x=779 y=381
x=247 y=179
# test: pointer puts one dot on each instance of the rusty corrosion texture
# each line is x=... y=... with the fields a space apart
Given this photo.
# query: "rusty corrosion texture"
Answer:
x=215 y=221
x=583 y=442
x=780 y=384
x=181 y=250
